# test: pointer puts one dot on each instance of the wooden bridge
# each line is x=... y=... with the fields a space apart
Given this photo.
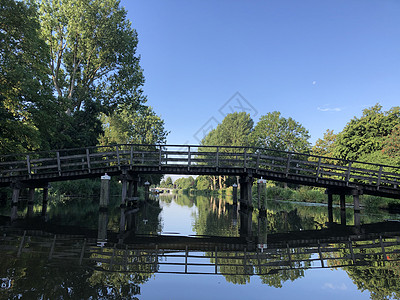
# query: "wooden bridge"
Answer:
x=129 y=161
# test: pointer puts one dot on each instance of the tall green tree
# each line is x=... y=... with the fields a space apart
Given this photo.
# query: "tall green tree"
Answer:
x=24 y=78
x=278 y=133
x=366 y=135
x=93 y=63
x=234 y=130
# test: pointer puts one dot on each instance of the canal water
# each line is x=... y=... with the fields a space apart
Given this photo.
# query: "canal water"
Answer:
x=197 y=247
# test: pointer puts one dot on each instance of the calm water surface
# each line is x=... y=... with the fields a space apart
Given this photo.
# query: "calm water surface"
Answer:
x=187 y=247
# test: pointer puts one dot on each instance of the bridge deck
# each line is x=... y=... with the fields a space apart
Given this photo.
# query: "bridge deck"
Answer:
x=41 y=167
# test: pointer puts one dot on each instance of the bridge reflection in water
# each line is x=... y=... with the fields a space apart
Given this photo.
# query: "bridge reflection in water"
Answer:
x=247 y=254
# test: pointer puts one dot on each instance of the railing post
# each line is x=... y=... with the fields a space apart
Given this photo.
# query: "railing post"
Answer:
x=379 y=177
x=217 y=158
x=258 y=161
x=348 y=174
x=28 y=163
x=288 y=164
x=318 y=169
x=88 y=158
x=244 y=159
x=189 y=158
x=58 y=163
x=118 y=159
x=131 y=161
x=160 y=158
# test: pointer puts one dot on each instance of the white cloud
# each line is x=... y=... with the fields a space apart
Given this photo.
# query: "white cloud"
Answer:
x=329 y=109
x=331 y=286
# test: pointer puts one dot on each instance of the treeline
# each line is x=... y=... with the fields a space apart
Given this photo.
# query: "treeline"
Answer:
x=70 y=77
x=374 y=138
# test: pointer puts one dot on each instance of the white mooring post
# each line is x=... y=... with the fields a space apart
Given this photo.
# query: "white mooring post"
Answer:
x=234 y=194
x=147 y=190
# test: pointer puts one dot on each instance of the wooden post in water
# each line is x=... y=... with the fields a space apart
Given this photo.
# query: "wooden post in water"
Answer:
x=246 y=223
x=246 y=183
x=261 y=190
x=14 y=202
x=31 y=199
x=102 y=228
x=147 y=190
x=104 y=191
x=124 y=179
x=234 y=194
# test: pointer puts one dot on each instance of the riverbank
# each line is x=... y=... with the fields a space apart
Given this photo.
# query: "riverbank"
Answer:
x=301 y=194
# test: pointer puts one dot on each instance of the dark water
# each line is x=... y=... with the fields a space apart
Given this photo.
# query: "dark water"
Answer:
x=180 y=247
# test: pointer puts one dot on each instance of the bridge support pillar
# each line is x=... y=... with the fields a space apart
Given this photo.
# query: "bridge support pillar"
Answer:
x=44 y=202
x=14 y=202
x=31 y=199
x=246 y=183
x=246 y=223
x=124 y=192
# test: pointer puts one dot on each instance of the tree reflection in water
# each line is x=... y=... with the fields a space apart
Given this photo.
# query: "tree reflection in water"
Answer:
x=60 y=258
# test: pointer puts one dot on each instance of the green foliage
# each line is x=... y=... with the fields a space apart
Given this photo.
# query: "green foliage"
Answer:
x=24 y=78
x=391 y=145
x=184 y=183
x=203 y=182
x=167 y=183
x=366 y=135
x=308 y=194
x=142 y=126
x=279 y=193
x=93 y=53
x=278 y=133
x=234 y=130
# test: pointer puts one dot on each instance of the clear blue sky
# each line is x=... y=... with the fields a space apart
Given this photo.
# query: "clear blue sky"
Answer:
x=319 y=62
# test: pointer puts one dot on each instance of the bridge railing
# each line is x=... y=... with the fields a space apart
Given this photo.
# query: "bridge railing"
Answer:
x=129 y=155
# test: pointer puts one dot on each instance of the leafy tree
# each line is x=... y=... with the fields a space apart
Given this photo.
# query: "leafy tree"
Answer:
x=365 y=135
x=167 y=183
x=139 y=127
x=184 y=182
x=278 y=133
x=202 y=182
x=324 y=146
x=234 y=130
x=23 y=78
x=93 y=63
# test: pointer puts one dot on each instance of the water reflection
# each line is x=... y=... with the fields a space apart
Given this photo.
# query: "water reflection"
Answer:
x=116 y=251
